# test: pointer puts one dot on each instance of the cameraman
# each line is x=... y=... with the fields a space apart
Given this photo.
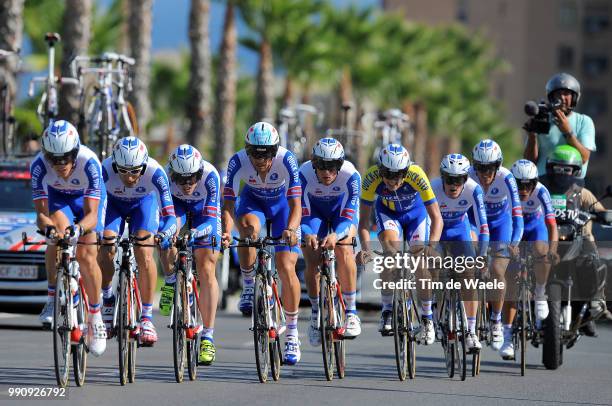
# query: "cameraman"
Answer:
x=567 y=127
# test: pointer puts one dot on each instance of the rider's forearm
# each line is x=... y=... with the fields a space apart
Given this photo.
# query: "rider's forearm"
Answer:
x=531 y=148
x=90 y=219
x=364 y=237
x=553 y=237
x=227 y=219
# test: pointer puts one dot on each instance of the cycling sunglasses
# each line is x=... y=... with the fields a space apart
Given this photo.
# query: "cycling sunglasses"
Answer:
x=393 y=175
x=129 y=171
x=526 y=185
x=61 y=159
x=485 y=167
x=188 y=179
x=257 y=152
x=454 y=180
x=322 y=165
x=564 y=170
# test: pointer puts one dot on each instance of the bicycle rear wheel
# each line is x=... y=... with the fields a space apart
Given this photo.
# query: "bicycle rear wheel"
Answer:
x=340 y=342
x=79 y=353
x=400 y=332
x=524 y=315
x=480 y=329
x=411 y=320
x=326 y=319
x=274 y=348
x=261 y=338
x=460 y=335
x=193 y=345
x=178 y=332
x=136 y=310
x=61 y=329
x=448 y=334
x=123 y=331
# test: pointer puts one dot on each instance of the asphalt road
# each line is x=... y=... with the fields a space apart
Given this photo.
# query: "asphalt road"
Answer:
x=585 y=377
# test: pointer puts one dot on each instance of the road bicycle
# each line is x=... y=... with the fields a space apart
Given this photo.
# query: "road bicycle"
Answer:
x=70 y=312
x=390 y=126
x=290 y=125
x=268 y=317
x=104 y=114
x=48 y=107
x=7 y=120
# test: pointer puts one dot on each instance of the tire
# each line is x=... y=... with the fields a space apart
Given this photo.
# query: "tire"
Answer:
x=412 y=317
x=480 y=323
x=193 y=346
x=178 y=331
x=136 y=306
x=61 y=329
x=261 y=338
x=79 y=352
x=400 y=332
x=123 y=332
x=448 y=344
x=461 y=333
x=275 y=346
x=524 y=317
x=326 y=326
x=340 y=342
x=551 y=346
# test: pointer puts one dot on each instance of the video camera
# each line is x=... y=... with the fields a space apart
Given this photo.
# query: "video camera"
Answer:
x=540 y=114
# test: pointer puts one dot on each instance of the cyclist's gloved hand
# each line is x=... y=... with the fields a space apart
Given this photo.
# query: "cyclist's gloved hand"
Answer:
x=164 y=240
x=74 y=232
x=50 y=234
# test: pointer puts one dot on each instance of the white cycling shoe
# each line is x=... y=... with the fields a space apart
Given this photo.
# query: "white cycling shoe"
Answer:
x=472 y=343
x=314 y=334
x=96 y=334
x=292 y=351
x=352 y=326
x=427 y=335
x=507 y=350
x=497 y=335
x=541 y=308
x=46 y=316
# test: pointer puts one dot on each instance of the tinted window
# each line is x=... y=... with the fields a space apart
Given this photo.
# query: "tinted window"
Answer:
x=16 y=195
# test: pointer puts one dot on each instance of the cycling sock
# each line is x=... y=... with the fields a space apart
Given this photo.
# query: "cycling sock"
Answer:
x=507 y=331
x=50 y=291
x=349 y=302
x=248 y=276
x=387 y=302
x=540 y=290
x=495 y=316
x=471 y=322
x=426 y=309
x=207 y=333
x=170 y=279
x=147 y=311
x=291 y=318
x=107 y=292
x=314 y=302
x=94 y=308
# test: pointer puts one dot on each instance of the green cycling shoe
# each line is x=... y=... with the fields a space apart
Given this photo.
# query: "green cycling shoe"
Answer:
x=207 y=352
x=167 y=297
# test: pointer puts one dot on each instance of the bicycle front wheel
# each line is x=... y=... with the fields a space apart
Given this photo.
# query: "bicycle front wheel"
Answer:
x=178 y=332
x=275 y=348
x=261 y=338
x=61 y=328
x=79 y=353
x=326 y=324
x=340 y=342
x=400 y=332
x=123 y=330
x=193 y=346
x=448 y=334
x=461 y=333
x=523 y=315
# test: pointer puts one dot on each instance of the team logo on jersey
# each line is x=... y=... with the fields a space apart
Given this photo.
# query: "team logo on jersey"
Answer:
x=252 y=180
x=463 y=202
x=196 y=193
x=336 y=188
x=530 y=203
x=318 y=192
x=75 y=181
x=494 y=191
x=141 y=189
x=274 y=176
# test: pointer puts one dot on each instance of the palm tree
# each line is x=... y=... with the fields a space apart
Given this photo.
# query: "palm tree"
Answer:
x=76 y=35
x=225 y=91
x=139 y=34
x=11 y=28
x=198 y=100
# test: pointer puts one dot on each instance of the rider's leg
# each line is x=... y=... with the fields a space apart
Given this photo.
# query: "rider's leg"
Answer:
x=206 y=261
x=347 y=271
x=248 y=226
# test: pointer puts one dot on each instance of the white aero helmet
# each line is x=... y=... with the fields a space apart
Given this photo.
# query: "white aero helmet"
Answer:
x=487 y=152
x=60 y=140
x=185 y=161
x=394 y=158
x=262 y=134
x=455 y=165
x=130 y=152
x=525 y=170
x=328 y=149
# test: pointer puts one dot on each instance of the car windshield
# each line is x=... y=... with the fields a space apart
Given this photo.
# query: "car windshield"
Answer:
x=16 y=195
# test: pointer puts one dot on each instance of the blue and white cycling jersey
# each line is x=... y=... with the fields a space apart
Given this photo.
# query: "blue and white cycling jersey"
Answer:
x=537 y=212
x=282 y=181
x=454 y=213
x=153 y=187
x=338 y=202
x=85 y=179
x=203 y=204
x=503 y=207
x=67 y=195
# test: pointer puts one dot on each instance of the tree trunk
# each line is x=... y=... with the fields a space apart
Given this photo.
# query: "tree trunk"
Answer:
x=433 y=157
x=225 y=92
x=11 y=35
x=76 y=26
x=140 y=20
x=288 y=94
x=198 y=98
x=264 y=94
x=420 y=134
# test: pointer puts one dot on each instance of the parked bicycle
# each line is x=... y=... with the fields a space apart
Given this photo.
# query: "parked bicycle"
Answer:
x=290 y=125
x=104 y=114
x=70 y=312
x=127 y=312
x=7 y=120
x=48 y=107
x=268 y=315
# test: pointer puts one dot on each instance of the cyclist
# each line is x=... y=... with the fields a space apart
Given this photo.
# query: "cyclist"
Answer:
x=272 y=192
x=457 y=195
x=137 y=188
x=194 y=184
x=540 y=229
x=405 y=202
x=505 y=219
x=66 y=185
x=331 y=187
